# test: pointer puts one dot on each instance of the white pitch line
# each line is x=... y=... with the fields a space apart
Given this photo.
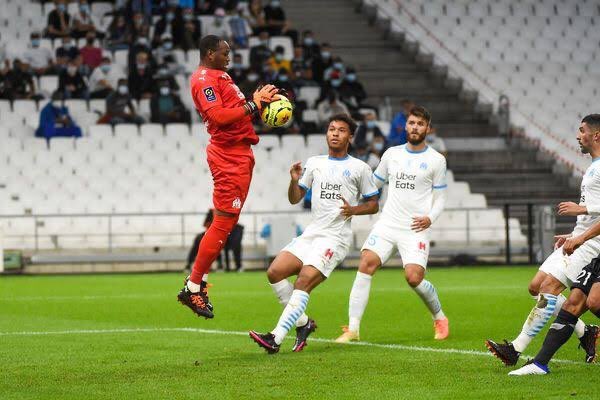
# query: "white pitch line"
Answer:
x=241 y=333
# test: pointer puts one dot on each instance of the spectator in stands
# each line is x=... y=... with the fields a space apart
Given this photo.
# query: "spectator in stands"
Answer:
x=298 y=63
x=367 y=131
x=256 y=17
x=164 y=75
x=5 y=84
x=190 y=34
x=351 y=90
x=59 y=21
x=218 y=26
x=118 y=34
x=337 y=67
x=39 y=59
x=250 y=84
x=91 y=55
x=141 y=46
x=163 y=54
x=71 y=83
x=277 y=62
x=310 y=48
x=397 y=133
x=329 y=107
x=206 y=7
x=239 y=27
x=55 y=120
x=283 y=82
x=141 y=78
x=362 y=152
x=322 y=62
x=331 y=86
x=139 y=28
x=238 y=72
x=119 y=107
x=170 y=24
x=378 y=146
x=436 y=142
x=166 y=107
x=20 y=83
x=260 y=53
x=83 y=22
x=104 y=79
x=66 y=53
x=276 y=22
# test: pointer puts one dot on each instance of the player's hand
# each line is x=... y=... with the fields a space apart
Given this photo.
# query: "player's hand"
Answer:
x=296 y=171
x=347 y=209
x=571 y=244
x=264 y=95
x=419 y=224
x=559 y=240
x=571 y=209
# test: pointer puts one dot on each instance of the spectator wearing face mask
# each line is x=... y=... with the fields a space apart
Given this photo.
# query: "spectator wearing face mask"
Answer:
x=298 y=63
x=331 y=86
x=239 y=27
x=352 y=91
x=138 y=27
x=164 y=52
x=91 y=55
x=119 y=107
x=104 y=79
x=218 y=26
x=277 y=62
x=367 y=131
x=170 y=23
x=38 y=59
x=66 y=53
x=59 y=21
x=83 y=22
x=166 y=107
x=19 y=83
x=141 y=78
x=310 y=48
x=276 y=22
x=329 y=107
x=141 y=45
x=190 y=34
x=248 y=86
x=306 y=79
x=322 y=62
x=238 y=72
x=118 y=34
x=56 y=121
x=337 y=68
x=364 y=153
x=260 y=53
x=71 y=82
x=284 y=82
x=379 y=146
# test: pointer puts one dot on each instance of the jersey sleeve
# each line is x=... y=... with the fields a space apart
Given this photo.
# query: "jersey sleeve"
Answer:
x=368 y=188
x=207 y=93
x=381 y=172
x=592 y=200
x=439 y=177
x=306 y=179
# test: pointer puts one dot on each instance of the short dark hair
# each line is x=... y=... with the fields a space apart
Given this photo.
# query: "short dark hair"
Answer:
x=209 y=43
x=421 y=112
x=593 y=120
x=344 y=118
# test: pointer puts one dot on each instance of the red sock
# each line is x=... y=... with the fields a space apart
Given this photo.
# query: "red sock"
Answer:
x=211 y=245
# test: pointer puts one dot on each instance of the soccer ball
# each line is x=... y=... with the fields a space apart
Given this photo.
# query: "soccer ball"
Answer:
x=278 y=113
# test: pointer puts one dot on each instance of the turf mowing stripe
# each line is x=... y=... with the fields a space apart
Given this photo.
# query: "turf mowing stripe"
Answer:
x=240 y=333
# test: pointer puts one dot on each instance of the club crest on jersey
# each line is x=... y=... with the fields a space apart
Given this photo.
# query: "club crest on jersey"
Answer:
x=237 y=203
x=209 y=93
x=423 y=165
x=347 y=173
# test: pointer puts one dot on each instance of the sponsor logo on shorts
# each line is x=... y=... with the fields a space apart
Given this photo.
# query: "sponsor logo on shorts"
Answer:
x=330 y=191
x=328 y=254
x=237 y=203
x=422 y=246
x=405 y=181
x=209 y=93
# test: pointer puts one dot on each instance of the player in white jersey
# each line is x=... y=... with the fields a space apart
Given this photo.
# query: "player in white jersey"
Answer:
x=417 y=191
x=561 y=270
x=338 y=182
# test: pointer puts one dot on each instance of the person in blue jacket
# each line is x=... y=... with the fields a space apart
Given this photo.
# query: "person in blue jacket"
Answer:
x=55 y=120
x=397 y=135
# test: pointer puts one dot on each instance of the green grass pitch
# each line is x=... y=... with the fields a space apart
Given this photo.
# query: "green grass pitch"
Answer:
x=125 y=337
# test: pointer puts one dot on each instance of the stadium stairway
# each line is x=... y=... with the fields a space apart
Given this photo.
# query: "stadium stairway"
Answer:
x=513 y=172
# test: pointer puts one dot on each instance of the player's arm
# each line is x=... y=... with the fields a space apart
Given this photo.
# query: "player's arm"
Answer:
x=296 y=192
x=572 y=209
x=369 y=206
x=572 y=243
x=439 y=189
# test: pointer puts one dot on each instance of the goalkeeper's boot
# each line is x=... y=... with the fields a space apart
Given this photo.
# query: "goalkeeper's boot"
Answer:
x=266 y=341
x=195 y=301
x=504 y=351
x=203 y=292
x=302 y=334
x=588 y=342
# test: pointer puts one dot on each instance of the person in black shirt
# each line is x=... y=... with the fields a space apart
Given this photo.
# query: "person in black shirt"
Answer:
x=117 y=104
x=276 y=22
x=71 y=84
x=238 y=72
x=351 y=90
x=166 y=107
x=20 y=84
x=141 y=78
x=310 y=46
x=261 y=53
x=66 y=53
x=59 y=21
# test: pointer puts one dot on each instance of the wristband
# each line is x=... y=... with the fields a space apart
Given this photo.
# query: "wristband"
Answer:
x=251 y=107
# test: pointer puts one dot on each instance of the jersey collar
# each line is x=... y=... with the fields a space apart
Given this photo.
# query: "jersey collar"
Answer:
x=338 y=158
x=416 y=152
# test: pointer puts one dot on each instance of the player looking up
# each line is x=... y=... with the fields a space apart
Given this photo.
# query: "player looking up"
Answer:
x=417 y=193
x=337 y=181
x=228 y=118
x=560 y=270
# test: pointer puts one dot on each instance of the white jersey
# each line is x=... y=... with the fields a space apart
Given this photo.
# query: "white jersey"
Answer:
x=412 y=177
x=590 y=198
x=332 y=179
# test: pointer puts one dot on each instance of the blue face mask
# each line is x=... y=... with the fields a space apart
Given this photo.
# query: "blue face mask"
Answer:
x=378 y=146
x=168 y=45
x=105 y=68
x=170 y=16
x=371 y=124
x=338 y=65
x=283 y=78
x=351 y=77
x=237 y=66
x=276 y=4
x=61 y=7
x=84 y=8
x=309 y=41
x=35 y=42
x=336 y=82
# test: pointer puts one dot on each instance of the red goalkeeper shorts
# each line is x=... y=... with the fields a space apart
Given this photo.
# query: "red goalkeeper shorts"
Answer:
x=231 y=168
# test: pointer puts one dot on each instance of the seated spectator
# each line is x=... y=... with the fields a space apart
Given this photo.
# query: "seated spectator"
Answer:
x=66 y=53
x=283 y=82
x=367 y=131
x=337 y=66
x=240 y=29
x=141 y=78
x=170 y=24
x=298 y=63
x=329 y=107
x=141 y=46
x=38 y=59
x=104 y=79
x=363 y=152
x=248 y=86
x=277 y=62
x=163 y=75
x=322 y=62
x=56 y=121
x=306 y=79
x=59 y=21
x=331 y=86
x=91 y=55
x=256 y=17
x=165 y=56
x=352 y=91
x=397 y=135
x=191 y=33
x=260 y=53
x=83 y=22
x=310 y=48
x=71 y=83
x=119 y=107
x=20 y=83
x=138 y=27
x=218 y=26
x=436 y=142
x=166 y=107
x=378 y=146
x=238 y=72
x=276 y=22
x=118 y=35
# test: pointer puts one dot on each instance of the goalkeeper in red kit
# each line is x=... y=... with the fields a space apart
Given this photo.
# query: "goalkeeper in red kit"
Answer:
x=228 y=118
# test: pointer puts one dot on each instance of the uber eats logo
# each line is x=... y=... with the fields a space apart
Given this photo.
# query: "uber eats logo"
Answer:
x=331 y=191
x=405 y=181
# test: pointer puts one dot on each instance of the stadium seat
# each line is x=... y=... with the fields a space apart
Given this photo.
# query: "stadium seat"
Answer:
x=25 y=107
x=48 y=84
x=100 y=131
x=309 y=95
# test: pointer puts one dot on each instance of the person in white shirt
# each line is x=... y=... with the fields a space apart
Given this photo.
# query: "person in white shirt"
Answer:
x=38 y=58
x=104 y=79
x=416 y=175
x=337 y=181
x=218 y=27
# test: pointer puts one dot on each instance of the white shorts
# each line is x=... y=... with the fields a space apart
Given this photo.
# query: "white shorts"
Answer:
x=322 y=253
x=566 y=268
x=412 y=246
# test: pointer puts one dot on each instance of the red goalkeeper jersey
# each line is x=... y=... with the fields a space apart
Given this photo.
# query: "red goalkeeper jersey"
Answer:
x=215 y=88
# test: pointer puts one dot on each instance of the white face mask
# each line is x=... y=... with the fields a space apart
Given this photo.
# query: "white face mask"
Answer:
x=164 y=91
x=123 y=89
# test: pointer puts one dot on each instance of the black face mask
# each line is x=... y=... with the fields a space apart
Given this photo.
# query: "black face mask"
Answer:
x=90 y=41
